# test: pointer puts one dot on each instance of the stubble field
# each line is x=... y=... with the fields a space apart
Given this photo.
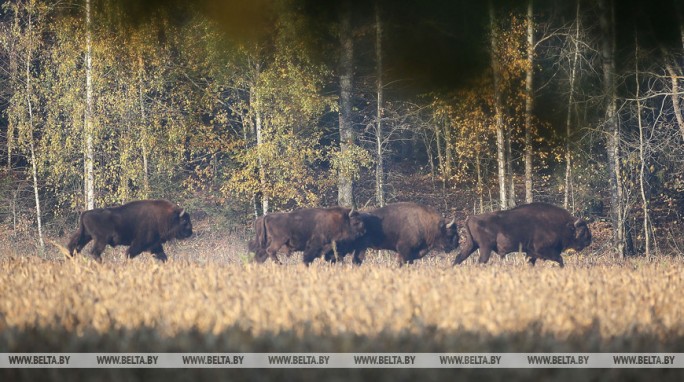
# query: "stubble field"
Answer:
x=213 y=300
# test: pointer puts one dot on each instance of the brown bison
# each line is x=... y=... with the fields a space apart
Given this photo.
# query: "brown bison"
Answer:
x=540 y=230
x=312 y=230
x=410 y=229
x=144 y=225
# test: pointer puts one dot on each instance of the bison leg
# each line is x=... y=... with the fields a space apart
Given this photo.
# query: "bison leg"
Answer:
x=330 y=257
x=359 y=256
x=97 y=250
x=485 y=252
x=77 y=242
x=273 y=254
x=260 y=255
x=270 y=251
x=559 y=260
x=158 y=253
x=134 y=250
x=406 y=254
x=310 y=254
x=465 y=252
x=552 y=254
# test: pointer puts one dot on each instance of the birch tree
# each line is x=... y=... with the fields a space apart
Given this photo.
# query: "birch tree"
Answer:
x=22 y=113
x=498 y=110
x=529 y=101
x=345 y=183
x=611 y=125
x=379 y=160
x=89 y=150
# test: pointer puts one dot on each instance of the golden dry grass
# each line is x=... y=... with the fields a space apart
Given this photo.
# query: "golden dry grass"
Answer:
x=207 y=300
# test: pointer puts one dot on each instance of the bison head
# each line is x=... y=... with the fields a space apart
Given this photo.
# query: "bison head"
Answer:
x=182 y=225
x=358 y=228
x=449 y=235
x=581 y=235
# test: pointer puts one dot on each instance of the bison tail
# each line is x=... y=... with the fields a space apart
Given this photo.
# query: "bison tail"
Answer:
x=259 y=241
x=77 y=239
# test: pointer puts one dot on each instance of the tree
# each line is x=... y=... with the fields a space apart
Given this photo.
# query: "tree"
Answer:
x=89 y=150
x=282 y=105
x=642 y=156
x=379 y=161
x=29 y=19
x=529 y=102
x=571 y=100
x=498 y=110
x=611 y=125
x=345 y=183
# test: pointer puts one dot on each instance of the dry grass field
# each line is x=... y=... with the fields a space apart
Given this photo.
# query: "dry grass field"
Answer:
x=210 y=298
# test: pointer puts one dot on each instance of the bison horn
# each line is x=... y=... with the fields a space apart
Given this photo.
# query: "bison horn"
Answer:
x=182 y=213
x=453 y=221
x=578 y=222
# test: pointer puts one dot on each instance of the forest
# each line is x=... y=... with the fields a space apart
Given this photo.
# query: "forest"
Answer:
x=239 y=108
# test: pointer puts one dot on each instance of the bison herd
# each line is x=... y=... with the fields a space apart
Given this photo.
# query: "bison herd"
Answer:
x=541 y=230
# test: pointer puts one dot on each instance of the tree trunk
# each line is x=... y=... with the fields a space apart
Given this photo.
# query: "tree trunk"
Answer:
x=642 y=161
x=14 y=83
x=143 y=138
x=607 y=23
x=89 y=154
x=379 y=167
x=448 y=156
x=673 y=73
x=345 y=196
x=529 y=102
x=480 y=188
x=675 y=94
x=34 y=173
x=255 y=104
x=498 y=110
x=680 y=18
x=440 y=157
x=568 y=117
x=510 y=180
x=29 y=108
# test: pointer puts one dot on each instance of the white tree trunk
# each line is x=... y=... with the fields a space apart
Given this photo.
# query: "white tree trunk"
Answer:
x=568 y=117
x=448 y=155
x=89 y=154
x=529 y=102
x=379 y=167
x=642 y=162
x=34 y=172
x=143 y=131
x=345 y=185
x=500 y=136
x=255 y=103
x=14 y=84
x=675 y=94
x=480 y=187
x=29 y=108
x=607 y=23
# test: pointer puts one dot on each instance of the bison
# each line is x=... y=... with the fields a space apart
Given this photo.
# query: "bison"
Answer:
x=312 y=230
x=540 y=230
x=144 y=225
x=410 y=229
